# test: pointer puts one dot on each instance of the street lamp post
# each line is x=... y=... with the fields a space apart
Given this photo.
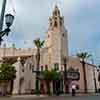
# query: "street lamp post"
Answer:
x=8 y=21
x=2 y=14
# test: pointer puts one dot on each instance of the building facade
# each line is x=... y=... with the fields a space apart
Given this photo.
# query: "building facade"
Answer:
x=52 y=56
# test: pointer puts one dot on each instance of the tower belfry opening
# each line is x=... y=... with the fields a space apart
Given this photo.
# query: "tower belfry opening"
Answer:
x=56 y=11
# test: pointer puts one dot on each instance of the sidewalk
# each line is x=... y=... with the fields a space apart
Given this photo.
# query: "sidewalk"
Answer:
x=83 y=94
x=28 y=96
x=41 y=96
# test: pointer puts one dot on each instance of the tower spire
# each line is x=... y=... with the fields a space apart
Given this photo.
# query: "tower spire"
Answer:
x=56 y=22
x=56 y=7
x=56 y=11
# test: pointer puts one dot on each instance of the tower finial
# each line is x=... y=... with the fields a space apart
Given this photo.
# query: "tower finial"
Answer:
x=56 y=8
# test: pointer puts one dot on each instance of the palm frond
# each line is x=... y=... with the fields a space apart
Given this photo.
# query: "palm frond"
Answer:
x=83 y=55
x=42 y=43
x=38 y=43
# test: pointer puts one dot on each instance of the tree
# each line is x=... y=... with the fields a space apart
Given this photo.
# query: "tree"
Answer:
x=39 y=44
x=83 y=57
x=50 y=76
x=7 y=73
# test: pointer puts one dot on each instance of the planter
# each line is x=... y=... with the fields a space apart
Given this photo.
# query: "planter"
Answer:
x=4 y=85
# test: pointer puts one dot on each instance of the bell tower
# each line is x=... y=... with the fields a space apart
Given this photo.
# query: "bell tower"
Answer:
x=56 y=21
x=56 y=40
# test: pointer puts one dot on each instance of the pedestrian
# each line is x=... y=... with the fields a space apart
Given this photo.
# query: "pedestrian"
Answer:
x=73 y=89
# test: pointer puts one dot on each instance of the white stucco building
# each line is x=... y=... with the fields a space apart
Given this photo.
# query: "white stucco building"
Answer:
x=52 y=55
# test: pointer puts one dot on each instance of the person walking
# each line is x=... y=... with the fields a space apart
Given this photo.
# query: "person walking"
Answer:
x=73 y=89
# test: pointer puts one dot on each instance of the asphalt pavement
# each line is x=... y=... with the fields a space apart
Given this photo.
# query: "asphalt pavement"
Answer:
x=79 y=97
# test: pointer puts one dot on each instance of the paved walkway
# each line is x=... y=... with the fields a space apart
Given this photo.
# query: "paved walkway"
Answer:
x=41 y=96
x=29 y=96
x=51 y=98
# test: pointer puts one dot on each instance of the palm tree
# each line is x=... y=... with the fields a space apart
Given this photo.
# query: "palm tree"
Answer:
x=39 y=44
x=83 y=57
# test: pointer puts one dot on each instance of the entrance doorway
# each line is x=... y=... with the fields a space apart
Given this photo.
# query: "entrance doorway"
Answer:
x=66 y=88
x=56 y=87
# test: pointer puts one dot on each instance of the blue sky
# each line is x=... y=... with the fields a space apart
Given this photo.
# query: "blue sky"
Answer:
x=82 y=20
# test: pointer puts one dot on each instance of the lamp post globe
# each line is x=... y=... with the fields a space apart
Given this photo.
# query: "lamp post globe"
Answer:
x=9 y=18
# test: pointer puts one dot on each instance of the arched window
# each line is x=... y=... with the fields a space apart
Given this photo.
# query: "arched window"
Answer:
x=46 y=67
x=56 y=66
x=55 y=13
x=63 y=35
x=41 y=67
x=48 y=36
x=30 y=66
x=58 y=12
x=55 y=24
x=50 y=23
x=60 y=23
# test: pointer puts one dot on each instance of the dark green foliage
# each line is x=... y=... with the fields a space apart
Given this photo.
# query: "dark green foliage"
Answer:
x=51 y=75
x=83 y=55
x=38 y=43
x=7 y=72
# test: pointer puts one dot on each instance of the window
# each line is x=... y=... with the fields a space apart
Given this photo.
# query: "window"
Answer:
x=30 y=67
x=55 y=24
x=56 y=66
x=60 y=23
x=48 y=36
x=22 y=69
x=77 y=87
x=42 y=68
x=46 y=67
x=63 y=34
x=55 y=13
x=55 y=18
x=22 y=62
x=50 y=23
x=58 y=12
